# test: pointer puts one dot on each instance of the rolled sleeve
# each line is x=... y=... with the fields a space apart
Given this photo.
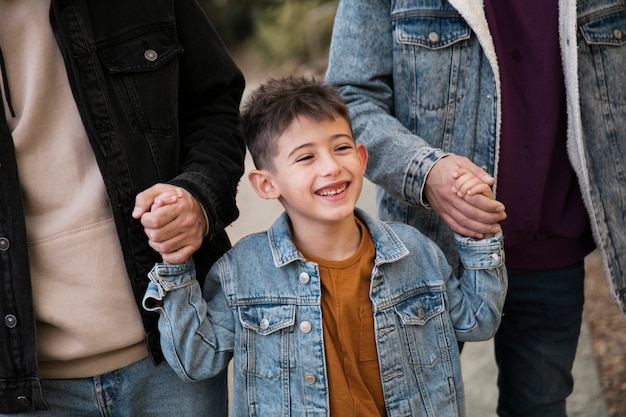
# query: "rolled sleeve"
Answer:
x=477 y=298
x=166 y=277
x=481 y=254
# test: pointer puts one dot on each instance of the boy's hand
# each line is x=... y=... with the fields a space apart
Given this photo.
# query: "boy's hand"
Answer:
x=173 y=220
x=168 y=197
x=468 y=184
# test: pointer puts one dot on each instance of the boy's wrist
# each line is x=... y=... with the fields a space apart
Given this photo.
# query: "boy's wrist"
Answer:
x=169 y=277
x=481 y=253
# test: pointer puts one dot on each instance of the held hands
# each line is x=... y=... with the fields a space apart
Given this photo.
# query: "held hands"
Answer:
x=461 y=193
x=468 y=184
x=173 y=220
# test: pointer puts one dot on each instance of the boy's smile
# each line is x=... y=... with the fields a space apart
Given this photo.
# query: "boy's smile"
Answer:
x=329 y=192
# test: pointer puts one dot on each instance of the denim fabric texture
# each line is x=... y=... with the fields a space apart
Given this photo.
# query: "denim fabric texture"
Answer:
x=435 y=79
x=258 y=296
x=140 y=389
x=159 y=95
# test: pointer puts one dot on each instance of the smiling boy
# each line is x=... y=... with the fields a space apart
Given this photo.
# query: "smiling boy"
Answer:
x=329 y=311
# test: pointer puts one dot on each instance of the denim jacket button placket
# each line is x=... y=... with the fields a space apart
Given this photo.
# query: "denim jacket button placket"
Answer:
x=304 y=278
x=305 y=327
x=10 y=321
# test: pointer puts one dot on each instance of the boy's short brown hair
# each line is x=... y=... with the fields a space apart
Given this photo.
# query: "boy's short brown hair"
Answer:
x=273 y=106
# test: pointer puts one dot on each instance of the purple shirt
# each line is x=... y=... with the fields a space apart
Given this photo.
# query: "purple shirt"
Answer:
x=547 y=224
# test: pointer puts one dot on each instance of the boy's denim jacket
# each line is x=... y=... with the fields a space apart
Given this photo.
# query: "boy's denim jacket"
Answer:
x=421 y=80
x=262 y=301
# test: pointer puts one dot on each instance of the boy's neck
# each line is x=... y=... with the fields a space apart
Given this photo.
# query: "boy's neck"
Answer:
x=334 y=242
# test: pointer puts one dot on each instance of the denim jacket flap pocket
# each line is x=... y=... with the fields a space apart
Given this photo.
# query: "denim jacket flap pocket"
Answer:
x=266 y=319
x=418 y=310
x=432 y=32
x=146 y=52
x=609 y=29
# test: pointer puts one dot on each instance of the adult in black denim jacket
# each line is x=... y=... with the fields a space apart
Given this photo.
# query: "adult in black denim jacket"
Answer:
x=158 y=95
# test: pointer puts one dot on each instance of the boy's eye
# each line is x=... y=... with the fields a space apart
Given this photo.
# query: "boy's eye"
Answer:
x=304 y=158
x=344 y=147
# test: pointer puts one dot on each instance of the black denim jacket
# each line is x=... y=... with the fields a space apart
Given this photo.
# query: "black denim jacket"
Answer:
x=159 y=96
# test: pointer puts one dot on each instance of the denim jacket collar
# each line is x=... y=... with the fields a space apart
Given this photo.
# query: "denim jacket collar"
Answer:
x=389 y=248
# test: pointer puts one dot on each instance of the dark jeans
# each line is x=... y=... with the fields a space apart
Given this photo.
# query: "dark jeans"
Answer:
x=536 y=343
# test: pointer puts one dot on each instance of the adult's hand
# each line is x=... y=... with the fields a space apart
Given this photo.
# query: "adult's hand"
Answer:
x=173 y=220
x=475 y=215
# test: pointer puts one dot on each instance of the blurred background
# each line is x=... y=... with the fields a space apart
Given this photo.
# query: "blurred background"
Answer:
x=258 y=27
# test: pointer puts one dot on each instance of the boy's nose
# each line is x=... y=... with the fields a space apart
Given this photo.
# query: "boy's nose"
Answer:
x=330 y=166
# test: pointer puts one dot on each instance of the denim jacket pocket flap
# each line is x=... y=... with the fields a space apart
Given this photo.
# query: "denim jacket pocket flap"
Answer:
x=609 y=29
x=432 y=32
x=146 y=52
x=265 y=319
x=419 y=309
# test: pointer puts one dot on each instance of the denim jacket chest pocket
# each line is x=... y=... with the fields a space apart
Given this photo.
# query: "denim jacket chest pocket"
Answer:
x=143 y=74
x=426 y=42
x=267 y=342
x=425 y=326
x=605 y=37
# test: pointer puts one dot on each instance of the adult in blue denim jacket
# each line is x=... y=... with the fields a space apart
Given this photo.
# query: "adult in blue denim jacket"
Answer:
x=531 y=92
x=273 y=300
x=147 y=95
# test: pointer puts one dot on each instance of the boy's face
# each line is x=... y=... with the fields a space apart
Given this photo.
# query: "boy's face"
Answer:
x=318 y=172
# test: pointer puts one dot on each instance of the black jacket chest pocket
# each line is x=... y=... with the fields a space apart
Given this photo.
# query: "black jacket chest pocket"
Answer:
x=143 y=78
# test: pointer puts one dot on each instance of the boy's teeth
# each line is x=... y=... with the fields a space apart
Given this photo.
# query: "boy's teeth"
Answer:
x=332 y=192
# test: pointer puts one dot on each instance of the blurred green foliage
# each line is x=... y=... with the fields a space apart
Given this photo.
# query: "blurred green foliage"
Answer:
x=233 y=19
x=278 y=30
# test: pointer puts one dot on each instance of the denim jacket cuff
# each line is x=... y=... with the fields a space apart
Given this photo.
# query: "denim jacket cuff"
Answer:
x=418 y=171
x=481 y=253
x=166 y=277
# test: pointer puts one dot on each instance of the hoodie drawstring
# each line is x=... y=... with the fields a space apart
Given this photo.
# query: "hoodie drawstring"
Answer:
x=5 y=85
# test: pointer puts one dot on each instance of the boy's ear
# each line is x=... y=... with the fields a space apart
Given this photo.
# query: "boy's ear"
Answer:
x=363 y=155
x=262 y=183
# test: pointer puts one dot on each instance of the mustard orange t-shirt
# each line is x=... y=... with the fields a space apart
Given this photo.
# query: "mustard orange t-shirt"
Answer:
x=354 y=382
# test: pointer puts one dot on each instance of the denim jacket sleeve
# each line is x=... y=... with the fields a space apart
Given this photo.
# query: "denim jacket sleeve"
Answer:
x=210 y=90
x=197 y=335
x=477 y=298
x=361 y=66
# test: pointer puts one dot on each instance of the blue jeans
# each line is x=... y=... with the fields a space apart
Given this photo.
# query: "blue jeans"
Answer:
x=138 y=390
x=536 y=343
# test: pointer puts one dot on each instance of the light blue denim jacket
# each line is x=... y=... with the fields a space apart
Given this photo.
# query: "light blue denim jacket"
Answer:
x=421 y=80
x=262 y=301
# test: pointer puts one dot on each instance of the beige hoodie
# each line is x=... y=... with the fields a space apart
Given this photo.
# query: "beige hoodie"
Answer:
x=87 y=319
